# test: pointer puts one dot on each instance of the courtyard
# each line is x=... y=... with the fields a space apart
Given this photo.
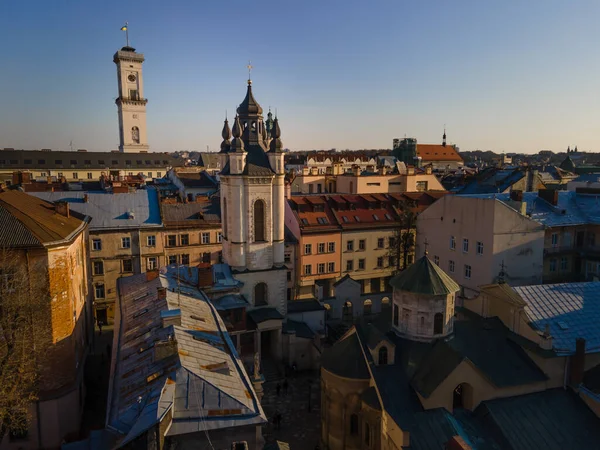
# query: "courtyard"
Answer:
x=299 y=427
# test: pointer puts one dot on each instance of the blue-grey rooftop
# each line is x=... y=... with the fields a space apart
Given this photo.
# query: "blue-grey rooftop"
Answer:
x=136 y=209
x=572 y=310
x=496 y=181
x=571 y=209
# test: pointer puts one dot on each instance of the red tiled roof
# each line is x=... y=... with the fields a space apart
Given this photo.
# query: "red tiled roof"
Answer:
x=436 y=152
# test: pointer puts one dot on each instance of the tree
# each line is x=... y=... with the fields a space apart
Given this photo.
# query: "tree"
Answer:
x=403 y=240
x=25 y=335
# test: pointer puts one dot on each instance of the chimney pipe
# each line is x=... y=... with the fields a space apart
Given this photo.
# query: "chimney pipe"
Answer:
x=577 y=367
x=161 y=293
x=86 y=198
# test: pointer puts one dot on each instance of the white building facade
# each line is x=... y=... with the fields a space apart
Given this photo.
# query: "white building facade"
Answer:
x=131 y=103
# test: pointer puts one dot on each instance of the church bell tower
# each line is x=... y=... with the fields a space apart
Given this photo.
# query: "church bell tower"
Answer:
x=131 y=102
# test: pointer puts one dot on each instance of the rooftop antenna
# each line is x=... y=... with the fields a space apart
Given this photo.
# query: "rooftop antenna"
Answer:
x=71 y=144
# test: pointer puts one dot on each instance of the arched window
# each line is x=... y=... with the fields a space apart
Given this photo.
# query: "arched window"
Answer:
x=438 y=323
x=367 y=434
x=225 y=218
x=367 y=307
x=354 y=424
x=260 y=294
x=347 y=313
x=135 y=135
x=259 y=221
x=383 y=355
x=385 y=302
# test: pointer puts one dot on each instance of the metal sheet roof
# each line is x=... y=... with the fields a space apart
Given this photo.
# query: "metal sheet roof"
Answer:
x=190 y=368
x=572 y=310
x=127 y=210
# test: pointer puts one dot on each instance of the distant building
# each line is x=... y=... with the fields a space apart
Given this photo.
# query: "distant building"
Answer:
x=50 y=242
x=441 y=157
x=383 y=181
x=83 y=166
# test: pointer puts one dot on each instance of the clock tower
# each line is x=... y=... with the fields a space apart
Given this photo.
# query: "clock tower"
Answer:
x=131 y=102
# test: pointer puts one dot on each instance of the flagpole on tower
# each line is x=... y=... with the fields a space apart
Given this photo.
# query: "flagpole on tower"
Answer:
x=126 y=30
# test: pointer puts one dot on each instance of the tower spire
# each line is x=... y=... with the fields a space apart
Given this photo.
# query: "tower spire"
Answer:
x=444 y=136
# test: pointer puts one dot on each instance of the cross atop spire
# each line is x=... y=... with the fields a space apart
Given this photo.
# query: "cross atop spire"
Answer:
x=249 y=67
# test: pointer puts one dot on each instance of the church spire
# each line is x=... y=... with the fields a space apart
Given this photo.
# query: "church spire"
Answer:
x=444 y=137
x=226 y=134
x=276 y=144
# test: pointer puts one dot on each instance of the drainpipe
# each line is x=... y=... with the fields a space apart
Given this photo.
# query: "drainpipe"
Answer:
x=565 y=377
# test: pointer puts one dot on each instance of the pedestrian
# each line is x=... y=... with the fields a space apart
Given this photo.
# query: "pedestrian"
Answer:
x=100 y=326
x=278 y=388
x=285 y=386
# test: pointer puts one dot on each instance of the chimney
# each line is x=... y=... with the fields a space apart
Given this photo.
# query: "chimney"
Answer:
x=381 y=170
x=62 y=208
x=152 y=275
x=516 y=195
x=550 y=195
x=356 y=170
x=86 y=198
x=577 y=366
x=428 y=170
x=170 y=317
x=164 y=349
x=305 y=171
x=161 y=292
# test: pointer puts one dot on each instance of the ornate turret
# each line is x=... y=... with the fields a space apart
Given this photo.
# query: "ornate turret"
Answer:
x=226 y=134
x=276 y=145
x=237 y=145
x=269 y=124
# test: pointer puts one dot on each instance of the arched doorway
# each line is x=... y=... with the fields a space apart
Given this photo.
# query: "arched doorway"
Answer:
x=347 y=313
x=260 y=294
x=367 y=307
x=462 y=396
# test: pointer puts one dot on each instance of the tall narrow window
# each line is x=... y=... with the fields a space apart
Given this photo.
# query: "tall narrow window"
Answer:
x=135 y=135
x=354 y=424
x=396 y=314
x=259 y=221
x=260 y=294
x=438 y=323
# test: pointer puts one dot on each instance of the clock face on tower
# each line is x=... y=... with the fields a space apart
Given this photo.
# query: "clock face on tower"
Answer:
x=131 y=77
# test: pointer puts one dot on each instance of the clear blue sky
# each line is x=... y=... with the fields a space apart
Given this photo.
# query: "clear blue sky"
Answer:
x=508 y=75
